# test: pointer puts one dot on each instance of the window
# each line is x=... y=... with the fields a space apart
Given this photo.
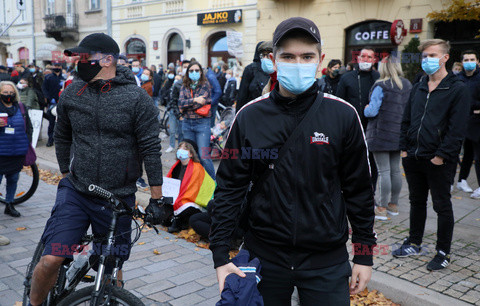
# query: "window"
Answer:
x=94 y=5
x=50 y=7
x=69 y=6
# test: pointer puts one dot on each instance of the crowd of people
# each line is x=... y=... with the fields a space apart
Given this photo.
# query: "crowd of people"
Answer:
x=361 y=120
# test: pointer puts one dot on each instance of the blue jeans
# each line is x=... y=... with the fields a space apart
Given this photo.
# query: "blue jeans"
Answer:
x=213 y=111
x=198 y=130
x=12 y=180
x=175 y=128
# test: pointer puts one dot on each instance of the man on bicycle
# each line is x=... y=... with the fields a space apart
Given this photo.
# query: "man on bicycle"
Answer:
x=106 y=125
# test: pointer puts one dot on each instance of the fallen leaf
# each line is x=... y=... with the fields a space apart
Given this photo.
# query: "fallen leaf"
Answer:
x=457 y=198
x=17 y=303
x=21 y=228
x=196 y=249
x=141 y=243
x=156 y=252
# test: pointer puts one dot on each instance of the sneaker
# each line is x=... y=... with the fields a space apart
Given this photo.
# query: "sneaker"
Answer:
x=380 y=214
x=4 y=240
x=407 y=249
x=476 y=194
x=392 y=209
x=463 y=186
x=141 y=184
x=440 y=261
x=168 y=150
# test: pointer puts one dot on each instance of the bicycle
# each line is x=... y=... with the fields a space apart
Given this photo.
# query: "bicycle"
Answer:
x=26 y=186
x=72 y=272
x=164 y=122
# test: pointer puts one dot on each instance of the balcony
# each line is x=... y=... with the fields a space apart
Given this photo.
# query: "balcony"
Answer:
x=61 y=26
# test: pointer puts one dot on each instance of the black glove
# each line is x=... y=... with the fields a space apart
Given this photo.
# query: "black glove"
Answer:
x=158 y=210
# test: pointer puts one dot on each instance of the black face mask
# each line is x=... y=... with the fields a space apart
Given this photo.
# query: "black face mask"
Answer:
x=56 y=70
x=87 y=70
x=335 y=73
x=8 y=99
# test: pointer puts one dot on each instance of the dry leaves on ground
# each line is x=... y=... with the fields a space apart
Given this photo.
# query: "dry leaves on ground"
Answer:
x=373 y=297
x=45 y=175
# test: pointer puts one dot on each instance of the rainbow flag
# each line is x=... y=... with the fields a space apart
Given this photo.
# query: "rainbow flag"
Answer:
x=196 y=189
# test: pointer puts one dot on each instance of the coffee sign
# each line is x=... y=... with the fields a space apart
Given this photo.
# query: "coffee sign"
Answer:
x=222 y=17
x=397 y=32
x=370 y=33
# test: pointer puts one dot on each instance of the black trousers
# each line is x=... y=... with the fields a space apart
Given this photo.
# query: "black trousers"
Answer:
x=476 y=151
x=201 y=224
x=467 y=160
x=51 y=125
x=423 y=176
x=327 y=286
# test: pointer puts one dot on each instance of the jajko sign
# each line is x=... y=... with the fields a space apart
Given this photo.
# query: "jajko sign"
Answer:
x=221 y=17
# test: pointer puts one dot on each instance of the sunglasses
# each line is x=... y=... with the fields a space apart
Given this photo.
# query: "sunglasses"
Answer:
x=194 y=70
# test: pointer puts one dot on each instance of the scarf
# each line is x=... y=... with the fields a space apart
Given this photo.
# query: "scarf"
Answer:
x=12 y=110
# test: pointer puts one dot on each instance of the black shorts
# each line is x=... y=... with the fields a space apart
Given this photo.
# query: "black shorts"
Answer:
x=71 y=216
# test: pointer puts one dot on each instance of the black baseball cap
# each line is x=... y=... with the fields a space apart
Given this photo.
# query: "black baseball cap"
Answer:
x=95 y=43
x=296 y=23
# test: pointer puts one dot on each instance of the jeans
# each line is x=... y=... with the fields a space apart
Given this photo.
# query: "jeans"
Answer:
x=390 y=185
x=175 y=128
x=328 y=285
x=199 y=131
x=467 y=160
x=51 y=125
x=423 y=176
x=12 y=180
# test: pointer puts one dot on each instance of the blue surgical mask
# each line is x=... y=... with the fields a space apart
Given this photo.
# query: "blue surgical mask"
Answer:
x=469 y=66
x=296 y=78
x=171 y=76
x=144 y=77
x=194 y=76
x=430 y=65
x=182 y=154
x=267 y=66
x=32 y=70
x=135 y=69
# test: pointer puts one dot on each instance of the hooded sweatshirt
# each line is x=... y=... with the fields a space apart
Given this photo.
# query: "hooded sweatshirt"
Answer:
x=253 y=81
x=104 y=130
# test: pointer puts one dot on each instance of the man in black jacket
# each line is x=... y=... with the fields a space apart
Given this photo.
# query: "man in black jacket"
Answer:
x=106 y=126
x=253 y=81
x=297 y=215
x=471 y=76
x=51 y=89
x=433 y=127
x=354 y=87
x=4 y=76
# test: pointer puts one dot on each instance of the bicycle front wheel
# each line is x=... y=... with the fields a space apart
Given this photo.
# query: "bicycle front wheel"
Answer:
x=119 y=296
x=26 y=186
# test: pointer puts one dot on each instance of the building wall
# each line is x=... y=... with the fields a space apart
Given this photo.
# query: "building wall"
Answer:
x=334 y=16
x=158 y=20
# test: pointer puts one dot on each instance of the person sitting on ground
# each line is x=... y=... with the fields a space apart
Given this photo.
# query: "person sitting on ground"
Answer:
x=196 y=187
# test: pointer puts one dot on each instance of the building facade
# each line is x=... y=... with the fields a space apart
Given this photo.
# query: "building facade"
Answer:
x=17 y=42
x=165 y=31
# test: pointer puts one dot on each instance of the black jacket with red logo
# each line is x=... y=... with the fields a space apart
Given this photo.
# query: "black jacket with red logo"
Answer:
x=298 y=217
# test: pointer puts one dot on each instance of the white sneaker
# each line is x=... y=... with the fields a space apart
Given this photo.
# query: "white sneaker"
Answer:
x=168 y=150
x=476 y=194
x=463 y=186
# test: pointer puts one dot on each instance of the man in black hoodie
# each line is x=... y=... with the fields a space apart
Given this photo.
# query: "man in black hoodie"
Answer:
x=354 y=87
x=253 y=81
x=297 y=209
x=433 y=127
x=106 y=126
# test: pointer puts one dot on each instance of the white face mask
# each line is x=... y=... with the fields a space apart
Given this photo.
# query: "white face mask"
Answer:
x=228 y=76
x=365 y=66
x=21 y=86
x=184 y=70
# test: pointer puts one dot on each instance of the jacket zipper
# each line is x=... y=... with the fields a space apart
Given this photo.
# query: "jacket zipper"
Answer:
x=295 y=205
x=421 y=120
x=359 y=91
x=97 y=122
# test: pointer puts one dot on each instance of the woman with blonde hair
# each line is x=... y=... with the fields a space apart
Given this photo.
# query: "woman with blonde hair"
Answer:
x=15 y=137
x=388 y=98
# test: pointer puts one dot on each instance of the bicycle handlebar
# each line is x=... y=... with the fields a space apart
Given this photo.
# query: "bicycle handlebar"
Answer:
x=99 y=191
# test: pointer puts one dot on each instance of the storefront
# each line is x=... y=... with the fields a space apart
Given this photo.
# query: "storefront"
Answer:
x=375 y=34
x=135 y=48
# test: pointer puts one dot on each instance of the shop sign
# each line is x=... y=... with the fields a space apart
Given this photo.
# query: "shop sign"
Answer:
x=221 y=17
x=416 y=25
x=155 y=45
x=370 y=33
x=398 y=32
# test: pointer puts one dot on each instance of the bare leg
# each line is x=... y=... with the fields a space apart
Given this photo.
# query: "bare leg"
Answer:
x=44 y=277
